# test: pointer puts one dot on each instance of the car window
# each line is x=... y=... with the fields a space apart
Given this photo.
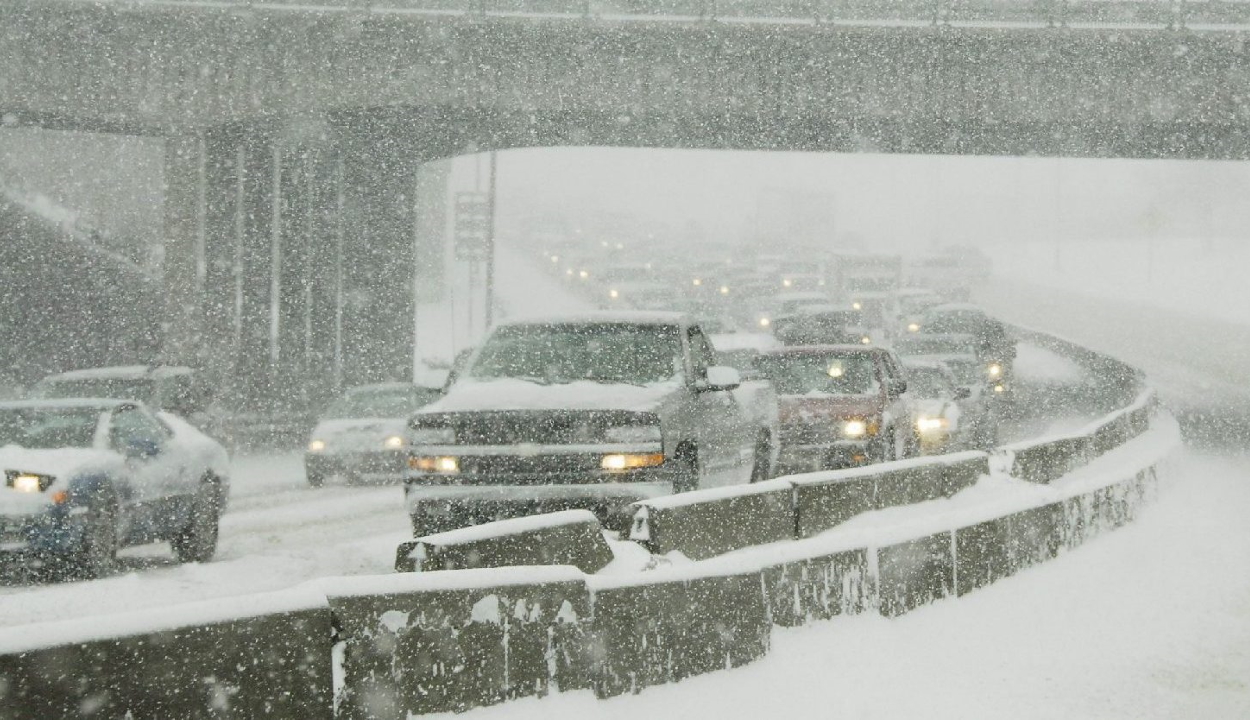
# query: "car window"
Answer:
x=132 y=424
x=701 y=354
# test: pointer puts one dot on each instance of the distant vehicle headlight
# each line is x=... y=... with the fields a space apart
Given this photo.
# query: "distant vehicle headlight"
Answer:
x=998 y=388
x=445 y=464
x=633 y=434
x=614 y=294
x=865 y=340
x=317 y=446
x=857 y=305
x=432 y=436
x=855 y=428
x=931 y=424
x=995 y=370
x=913 y=327
x=765 y=322
x=393 y=442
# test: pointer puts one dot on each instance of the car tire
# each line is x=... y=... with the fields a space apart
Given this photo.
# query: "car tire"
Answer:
x=761 y=468
x=686 y=474
x=315 y=479
x=197 y=542
x=97 y=557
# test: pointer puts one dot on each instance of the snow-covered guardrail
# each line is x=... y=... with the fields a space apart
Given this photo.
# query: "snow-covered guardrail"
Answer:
x=571 y=537
x=415 y=643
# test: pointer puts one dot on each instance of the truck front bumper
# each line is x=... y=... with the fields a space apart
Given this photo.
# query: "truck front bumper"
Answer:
x=795 y=459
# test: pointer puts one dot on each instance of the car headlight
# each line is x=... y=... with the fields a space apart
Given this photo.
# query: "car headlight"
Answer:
x=432 y=436
x=865 y=340
x=931 y=424
x=995 y=370
x=28 y=482
x=765 y=322
x=913 y=327
x=857 y=306
x=441 y=464
x=633 y=434
x=317 y=446
x=854 y=428
x=998 y=388
x=393 y=442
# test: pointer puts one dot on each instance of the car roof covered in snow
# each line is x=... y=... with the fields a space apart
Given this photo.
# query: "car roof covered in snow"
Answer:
x=386 y=387
x=614 y=317
x=121 y=372
x=101 y=404
x=824 y=350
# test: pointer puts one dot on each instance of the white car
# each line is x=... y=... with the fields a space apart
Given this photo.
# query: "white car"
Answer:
x=362 y=436
x=84 y=477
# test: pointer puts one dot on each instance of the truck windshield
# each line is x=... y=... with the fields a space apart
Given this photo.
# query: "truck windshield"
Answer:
x=565 y=353
x=817 y=374
x=380 y=403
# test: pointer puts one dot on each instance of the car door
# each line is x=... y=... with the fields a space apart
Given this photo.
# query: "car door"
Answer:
x=719 y=422
x=156 y=468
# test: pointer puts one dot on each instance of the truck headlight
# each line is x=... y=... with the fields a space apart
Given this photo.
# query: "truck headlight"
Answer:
x=631 y=461
x=393 y=442
x=432 y=436
x=633 y=434
x=316 y=446
x=995 y=370
x=931 y=424
x=854 y=428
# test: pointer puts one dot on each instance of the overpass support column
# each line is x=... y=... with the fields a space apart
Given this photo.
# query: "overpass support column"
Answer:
x=186 y=198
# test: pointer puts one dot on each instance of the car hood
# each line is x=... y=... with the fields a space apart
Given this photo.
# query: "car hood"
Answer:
x=475 y=395
x=803 y=408
x=374 y=427
x=58 y=462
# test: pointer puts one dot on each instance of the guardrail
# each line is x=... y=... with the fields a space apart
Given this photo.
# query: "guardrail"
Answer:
x=414 y=643
x=1197 y=15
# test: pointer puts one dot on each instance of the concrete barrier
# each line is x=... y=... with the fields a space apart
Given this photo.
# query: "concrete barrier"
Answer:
x=571 y=537
x=915 y=572
x=819 y=587
x=251 y=657
x=705 y=523
x=427 y=642
x=825 y=500
x=668 y=627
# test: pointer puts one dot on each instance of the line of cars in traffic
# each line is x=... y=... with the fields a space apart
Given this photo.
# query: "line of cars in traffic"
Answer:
x=594 y=411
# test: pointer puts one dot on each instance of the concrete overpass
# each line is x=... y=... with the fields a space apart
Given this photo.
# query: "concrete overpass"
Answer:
x=294 y=134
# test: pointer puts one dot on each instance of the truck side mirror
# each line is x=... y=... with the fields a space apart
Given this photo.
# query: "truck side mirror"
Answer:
x=719 y=377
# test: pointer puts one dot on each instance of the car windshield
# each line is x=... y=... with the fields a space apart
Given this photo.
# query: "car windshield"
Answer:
x=955 y=321
x=600 y=352
x=141 y=389
x=397 y=403
x=820 y=374
x=921 y=345
x=740 y=360
x=924 y=382
x=48 y=428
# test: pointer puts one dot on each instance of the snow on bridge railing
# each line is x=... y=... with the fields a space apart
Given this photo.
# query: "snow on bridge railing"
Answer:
x=1126 y=14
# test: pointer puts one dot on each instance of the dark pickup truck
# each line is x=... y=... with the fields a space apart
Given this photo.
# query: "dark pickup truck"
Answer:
x=590 y=412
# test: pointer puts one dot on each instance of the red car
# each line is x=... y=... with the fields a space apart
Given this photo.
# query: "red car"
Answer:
x=840 y=405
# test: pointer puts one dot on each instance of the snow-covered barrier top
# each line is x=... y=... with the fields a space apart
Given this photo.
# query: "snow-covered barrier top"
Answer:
x=571 y=537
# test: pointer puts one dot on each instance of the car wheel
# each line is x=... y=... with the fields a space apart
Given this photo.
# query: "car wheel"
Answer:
x=686 y=475
x=315 y=479
x=197 y=542
x=761 y=470
x=98 y=553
